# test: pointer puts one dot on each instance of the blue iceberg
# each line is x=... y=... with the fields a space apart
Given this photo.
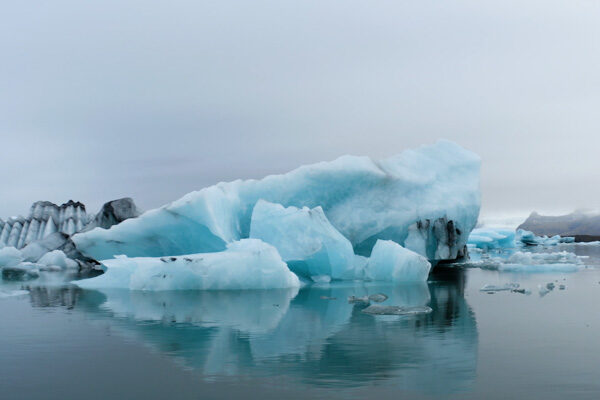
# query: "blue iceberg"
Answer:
x=426 y=199
x=352 y=218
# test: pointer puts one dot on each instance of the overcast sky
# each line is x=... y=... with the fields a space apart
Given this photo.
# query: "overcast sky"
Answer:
x=105 y=99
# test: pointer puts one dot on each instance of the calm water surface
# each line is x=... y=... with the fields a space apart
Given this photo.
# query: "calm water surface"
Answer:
x=61 y=342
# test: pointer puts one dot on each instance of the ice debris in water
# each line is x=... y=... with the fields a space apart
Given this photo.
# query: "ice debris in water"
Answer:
x=560 y=257
x=377 y=309
x=364 y=300
x=246 y=264
x=545 y=289
x=499 y=288
x=542 y=262
x=426 y=199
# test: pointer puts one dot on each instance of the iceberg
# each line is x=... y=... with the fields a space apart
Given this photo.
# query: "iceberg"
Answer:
x=47 y=230
x=305 y=239
x=44 y=219
x=246 y=264
x=530 y=239
x=426 y=199
x=492 y=238
x=391 y=262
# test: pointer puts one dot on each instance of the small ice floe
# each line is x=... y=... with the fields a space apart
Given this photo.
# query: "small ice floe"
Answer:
x=378 y=297
x=545 y=289
x=364 y=300
x=377 y=309
x=561 y=287
x=521 y=291
x=499 y=288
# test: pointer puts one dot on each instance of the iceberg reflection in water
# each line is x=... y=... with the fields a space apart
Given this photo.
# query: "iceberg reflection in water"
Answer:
x=312 y=335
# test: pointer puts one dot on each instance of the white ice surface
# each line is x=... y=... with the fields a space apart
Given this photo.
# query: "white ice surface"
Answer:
x=247 y=264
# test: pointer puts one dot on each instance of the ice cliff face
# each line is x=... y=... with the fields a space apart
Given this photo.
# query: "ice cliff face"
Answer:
x=44 y=219
x=426 y=200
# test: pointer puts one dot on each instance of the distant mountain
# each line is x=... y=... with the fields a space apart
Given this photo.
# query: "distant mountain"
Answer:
x=584 y=226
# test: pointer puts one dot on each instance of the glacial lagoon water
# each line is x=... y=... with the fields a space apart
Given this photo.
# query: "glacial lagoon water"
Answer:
x=59 y=342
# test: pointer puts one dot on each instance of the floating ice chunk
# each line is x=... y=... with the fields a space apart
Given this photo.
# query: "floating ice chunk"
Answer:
x=378 y=297
x=492 y=238
x=434 y=188
x=530 y=239
x=391 y=262
x=377 y=309
x=522 y=291
x=59 y=259
x=543 y=290
x=305 y=239
x=499 y=288
x=364 y=300
x=247 y=264
x=10 y=256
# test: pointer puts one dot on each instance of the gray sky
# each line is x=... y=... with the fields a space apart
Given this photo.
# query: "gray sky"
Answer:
x=104 y=99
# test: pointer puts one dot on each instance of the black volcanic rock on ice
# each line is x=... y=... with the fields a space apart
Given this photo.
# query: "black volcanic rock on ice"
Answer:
x=584 y=226
x=114 y=212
